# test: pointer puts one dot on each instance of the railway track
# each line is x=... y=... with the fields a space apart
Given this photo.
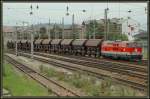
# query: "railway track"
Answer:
x=135 y=82
x=50 y=84
x=138 y=63
x=122 y=62
x=121 y=69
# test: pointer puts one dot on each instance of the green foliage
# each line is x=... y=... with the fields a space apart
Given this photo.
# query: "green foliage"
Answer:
x=44 y=36
x=88 y=84
x=94 y=26
x=48 y=71
x=21 y=85
x=36 y=36
x=56 y=30
x=115 y=36
x=43 y=33
x=145 y=53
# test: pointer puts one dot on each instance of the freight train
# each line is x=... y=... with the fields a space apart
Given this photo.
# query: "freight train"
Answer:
x=128 y=50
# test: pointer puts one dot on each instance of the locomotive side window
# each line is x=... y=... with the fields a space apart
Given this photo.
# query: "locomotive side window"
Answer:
x=135 y=44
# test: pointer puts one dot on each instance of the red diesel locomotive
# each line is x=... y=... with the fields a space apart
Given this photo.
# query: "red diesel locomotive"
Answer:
x=121 y=49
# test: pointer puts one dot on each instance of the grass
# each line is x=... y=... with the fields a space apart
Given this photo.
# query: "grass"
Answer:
x=145 y=53
x=88 y=84
x=21 y=85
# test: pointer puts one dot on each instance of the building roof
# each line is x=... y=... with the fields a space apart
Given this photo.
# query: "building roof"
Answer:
x=9 y=29
x=141 y=34
x=46 y=25
x=112 y=20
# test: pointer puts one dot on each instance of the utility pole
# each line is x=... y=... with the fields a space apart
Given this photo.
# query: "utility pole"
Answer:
x=74 y=36
x=107 y=29
x=55 y=30
x=49 y=30
x=63 y=28
x=94 y=29
x=39 y=29
x=106 y=25
x=16 y=41
x=31 y=13
x=32 y=42
x=23 y=33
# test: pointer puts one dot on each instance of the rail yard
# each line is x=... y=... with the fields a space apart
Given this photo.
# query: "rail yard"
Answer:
x=82 y=55
x=131 y=75
x=96 y=55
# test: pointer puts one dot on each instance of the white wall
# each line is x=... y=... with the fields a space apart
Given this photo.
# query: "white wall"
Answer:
x=127 y=30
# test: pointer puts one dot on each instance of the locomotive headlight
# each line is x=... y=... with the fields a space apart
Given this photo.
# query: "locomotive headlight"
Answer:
x=124 y=49
x=135 y=50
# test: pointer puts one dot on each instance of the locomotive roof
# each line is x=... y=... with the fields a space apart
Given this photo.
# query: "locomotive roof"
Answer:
x=118 y=41
x=46 y=41
x=56 y=41
x=66 y=41
x=93 y=42
x=38 y=41
x=79 y=42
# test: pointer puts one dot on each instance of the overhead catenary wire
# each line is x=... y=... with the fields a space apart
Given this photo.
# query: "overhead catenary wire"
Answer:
x=136 y=11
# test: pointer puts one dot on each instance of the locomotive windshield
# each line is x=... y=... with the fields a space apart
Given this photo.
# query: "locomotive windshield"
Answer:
x=134 y=44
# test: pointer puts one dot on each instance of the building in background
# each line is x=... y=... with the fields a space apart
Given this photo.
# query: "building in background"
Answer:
x=130 y=27
x=127 y=26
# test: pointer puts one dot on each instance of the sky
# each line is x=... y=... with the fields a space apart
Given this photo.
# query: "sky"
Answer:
x=18 y=12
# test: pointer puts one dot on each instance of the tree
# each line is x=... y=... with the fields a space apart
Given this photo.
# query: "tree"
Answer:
x=76 y=31
x=56 y=30
x=92 y=26
x=43 y=34
x=36 y=36
x=116 y=36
